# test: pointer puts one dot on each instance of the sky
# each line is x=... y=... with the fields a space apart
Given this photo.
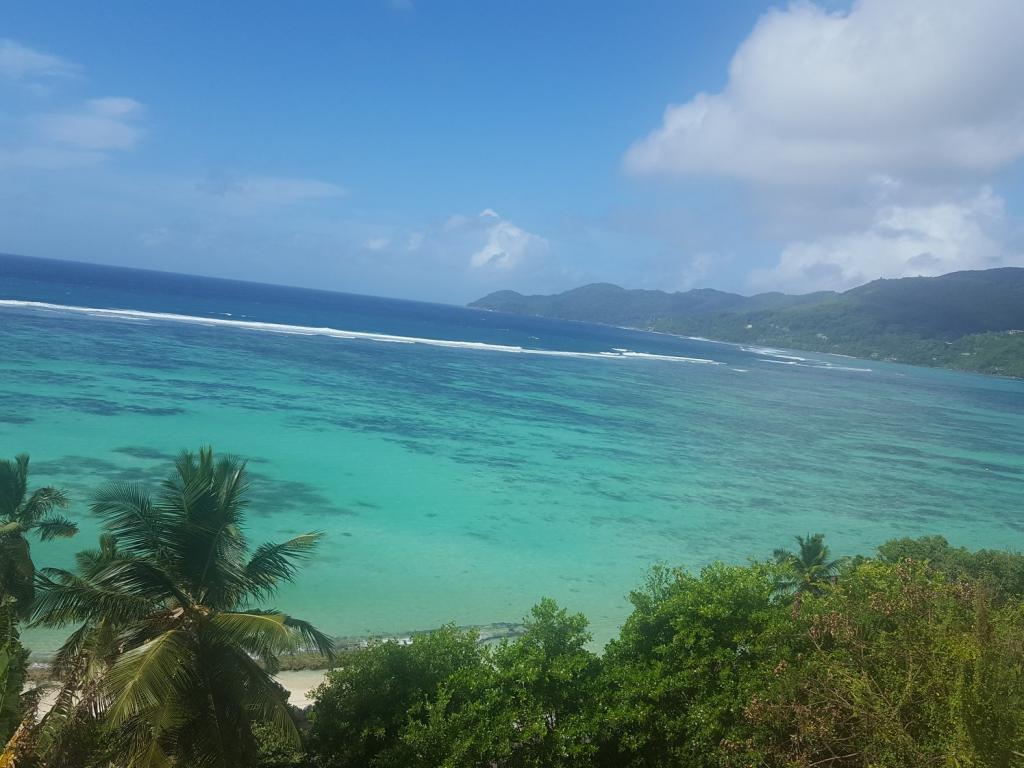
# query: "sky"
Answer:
x=443 y=149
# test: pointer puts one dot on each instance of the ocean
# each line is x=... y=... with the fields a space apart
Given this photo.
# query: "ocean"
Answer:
x=465 y=463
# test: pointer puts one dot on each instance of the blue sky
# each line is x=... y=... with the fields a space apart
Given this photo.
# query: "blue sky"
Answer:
x=440 y=150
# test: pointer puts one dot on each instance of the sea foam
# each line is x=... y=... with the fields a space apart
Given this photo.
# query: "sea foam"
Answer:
x=338 y=333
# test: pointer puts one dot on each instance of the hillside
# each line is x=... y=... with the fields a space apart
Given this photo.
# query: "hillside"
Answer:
x=964 y=320
x=607 y=303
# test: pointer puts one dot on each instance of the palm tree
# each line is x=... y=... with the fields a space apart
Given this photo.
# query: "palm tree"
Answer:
x=810 y=566
x=169 y=653
x=22 y=512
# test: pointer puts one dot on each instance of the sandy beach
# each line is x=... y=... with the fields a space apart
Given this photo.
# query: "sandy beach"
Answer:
x=298 y=683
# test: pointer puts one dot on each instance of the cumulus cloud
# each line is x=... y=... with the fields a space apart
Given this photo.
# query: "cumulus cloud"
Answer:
x=100 y=124
x=20 y=63
x=867 y=135
x=505 y=245
x=902 y=241
x=898 y=87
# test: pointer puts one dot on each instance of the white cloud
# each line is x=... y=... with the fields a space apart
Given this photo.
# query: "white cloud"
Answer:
x=21 y=63
x=100 y=124
x=907 y=88
x=506 y=246
x=378 y=243
x=902 y=241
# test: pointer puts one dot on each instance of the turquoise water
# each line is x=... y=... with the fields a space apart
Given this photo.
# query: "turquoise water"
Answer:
x=462 y=484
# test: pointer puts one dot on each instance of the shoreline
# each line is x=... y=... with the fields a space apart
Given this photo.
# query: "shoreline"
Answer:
x=753 y=343
x=299 y=684
x=300 y=673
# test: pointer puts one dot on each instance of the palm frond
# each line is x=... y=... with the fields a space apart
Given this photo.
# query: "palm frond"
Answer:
x=73 y=600
x=13 y=486
x=144 y=677
x=69 y=655
x=144 y=739
x=273 y=563
x=206 y=499
x=264 y=635
x=90 y=561
x=42 y=502
x=141 y=578
x=782 y=556
x=314 y=638
x=129 y=515
x=17 y=573
x=56 y=527
x=255 y=691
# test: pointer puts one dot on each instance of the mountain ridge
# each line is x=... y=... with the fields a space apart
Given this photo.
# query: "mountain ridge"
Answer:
x=968 y=320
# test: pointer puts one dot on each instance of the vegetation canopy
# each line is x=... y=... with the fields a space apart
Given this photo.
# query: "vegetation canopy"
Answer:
x=911 y=657
x=170 y=660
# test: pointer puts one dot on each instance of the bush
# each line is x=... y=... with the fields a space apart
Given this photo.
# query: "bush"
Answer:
x=530 y=704
x=693 y=652
x=903 y=668
x=361 y=710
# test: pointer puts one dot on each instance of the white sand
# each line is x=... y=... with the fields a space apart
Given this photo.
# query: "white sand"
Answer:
x=300 y=684
x=46 y=700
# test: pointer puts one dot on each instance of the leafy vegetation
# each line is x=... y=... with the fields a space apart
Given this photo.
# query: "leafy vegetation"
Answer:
x=972 y=321
x=911 y=657
x=21 y=513
x=162 y=665
x=808 y=569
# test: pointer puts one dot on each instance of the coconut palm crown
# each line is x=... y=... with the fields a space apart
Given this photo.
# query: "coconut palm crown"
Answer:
x=810 y=566
x=170 y=655
x=21 y=513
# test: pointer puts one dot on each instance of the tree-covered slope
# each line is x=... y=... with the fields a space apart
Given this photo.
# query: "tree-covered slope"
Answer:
x=964 y=320
x=607 y=303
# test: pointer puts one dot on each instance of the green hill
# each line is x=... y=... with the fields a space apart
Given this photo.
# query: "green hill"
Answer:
x=607 y=303
x=965 y=320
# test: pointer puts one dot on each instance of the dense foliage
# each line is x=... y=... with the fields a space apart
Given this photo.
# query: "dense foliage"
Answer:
x=168 y=663
x=963 y=320
x=911 y=657
x=21 y=513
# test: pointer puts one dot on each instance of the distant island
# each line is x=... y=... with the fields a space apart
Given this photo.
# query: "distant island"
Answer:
x=971 y=321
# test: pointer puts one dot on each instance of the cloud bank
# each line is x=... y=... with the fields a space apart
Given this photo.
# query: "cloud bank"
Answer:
x=910 y=88
x=20 y=63
x=901 y=112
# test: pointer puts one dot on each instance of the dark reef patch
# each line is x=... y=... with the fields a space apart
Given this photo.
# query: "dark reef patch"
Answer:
x=13 y=418
x=142 y=452
x=269 y=496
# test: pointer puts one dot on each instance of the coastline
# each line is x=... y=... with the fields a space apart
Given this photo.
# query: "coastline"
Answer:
x=879 y=358
x=299 y=684
x=299 y=674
